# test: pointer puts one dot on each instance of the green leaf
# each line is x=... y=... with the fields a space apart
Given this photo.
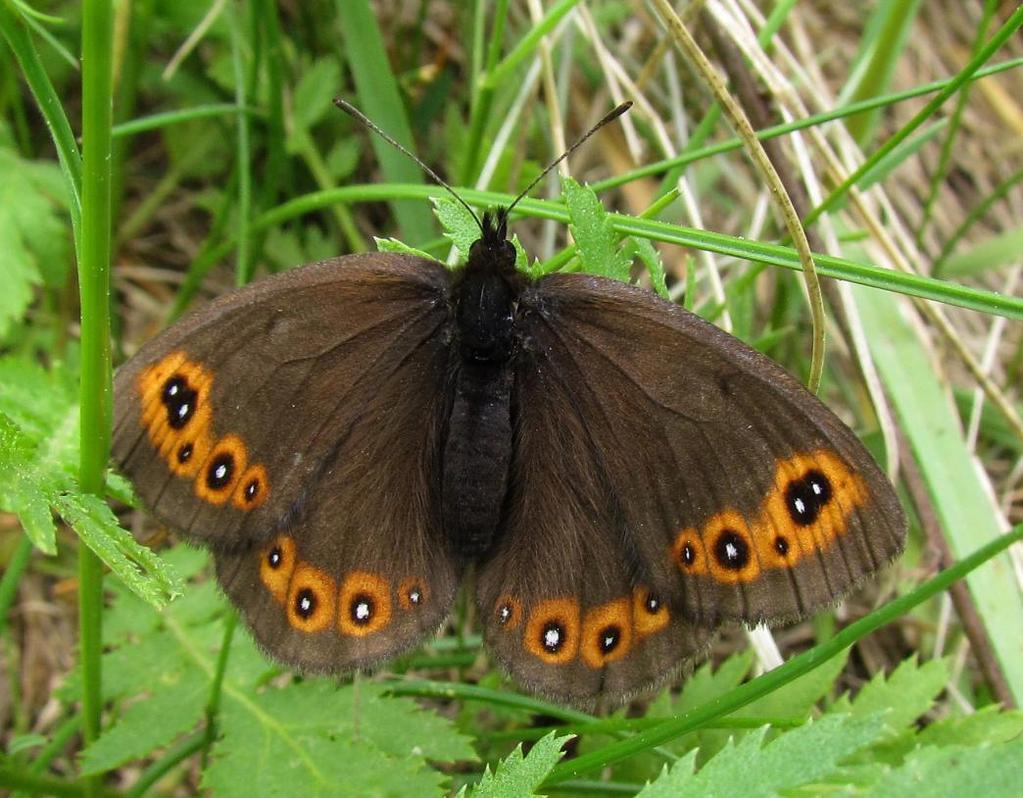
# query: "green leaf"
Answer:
x=987 y=725
x=460 y=226
x=34 y=243
x=671 y=782
x=315 y=92
x=750 y=769
x=991 y=771
x=314 y=739
x=594 y=234
x=907 y=693
x=651 y=258
x=172 y=709
x=394 y=245
x=797 y=698
x=518 y=776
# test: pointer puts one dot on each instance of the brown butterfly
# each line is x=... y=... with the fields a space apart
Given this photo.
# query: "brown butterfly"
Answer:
x=350 y=436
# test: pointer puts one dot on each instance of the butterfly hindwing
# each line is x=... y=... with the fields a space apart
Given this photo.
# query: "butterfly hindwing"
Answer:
x=656 y=455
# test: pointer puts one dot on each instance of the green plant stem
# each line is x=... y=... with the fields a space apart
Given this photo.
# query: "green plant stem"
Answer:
x=188 y=747
x=772 y=680
x=771 y=254
x=14 y=779
x=243 y=257
x=94 y=282
x=216 y=686
x=996 y=41
x=483 y=97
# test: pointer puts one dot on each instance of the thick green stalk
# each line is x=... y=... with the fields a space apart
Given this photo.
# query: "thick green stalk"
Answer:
x=94 y=282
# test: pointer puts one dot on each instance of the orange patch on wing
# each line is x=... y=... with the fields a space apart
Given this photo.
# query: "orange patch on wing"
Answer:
x=311 y=599
x=276 y=564
x=731 y=552
x=508 y=612
x=412 y=593
x=252 y=489
x=606 y=633
x=649 y=614
x=364 y=605
x=688 y=553
x=175 y=411
x=221 y=471
x=552 y=631
x=808 y=507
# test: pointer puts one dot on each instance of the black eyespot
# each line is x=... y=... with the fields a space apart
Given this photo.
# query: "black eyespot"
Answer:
x=180 y=399
x=415 y=596
x=274 y=557
x=185 y=453
x=688 y=554
x=220 y=471
x=361 y=609
x=552 y=637
x=806 y=497
x=504 y=614
x=652 y=604
x=731 y=550
x=251 y=490
x=781 y=545
x=305 y=603
x=610 y=637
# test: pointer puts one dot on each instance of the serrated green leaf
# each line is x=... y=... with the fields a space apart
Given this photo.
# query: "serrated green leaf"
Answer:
x=394 y=245
x=137 y=566
x=18 y=491
x=34 y=243
x=988 y=725
x=460 y=227
x=594 y=234
x=798 y=757
x=906 y=694
x=991 y=771
x=315 y=92
x=671 y=782
x=313 y=738
x=172 y=709
x=651 y=258
x=518 y=776
x=797 y=698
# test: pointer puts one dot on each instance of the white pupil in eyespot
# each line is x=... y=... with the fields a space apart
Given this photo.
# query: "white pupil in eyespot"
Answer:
x=799 y=505
x=361 y=611
x=305 y=603
x=731 y=552
x=183 y=410
x=221 y=471
x=551 y=638
x=414 y=596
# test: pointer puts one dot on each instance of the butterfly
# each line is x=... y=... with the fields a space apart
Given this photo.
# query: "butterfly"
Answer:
x=351 y=438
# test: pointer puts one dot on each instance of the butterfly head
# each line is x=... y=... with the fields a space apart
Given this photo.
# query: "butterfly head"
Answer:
x=493 y=251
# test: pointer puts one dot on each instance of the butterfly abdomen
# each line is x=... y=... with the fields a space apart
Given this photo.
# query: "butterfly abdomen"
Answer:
x=478 y=443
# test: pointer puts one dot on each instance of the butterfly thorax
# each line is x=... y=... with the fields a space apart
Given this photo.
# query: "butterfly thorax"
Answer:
x=477 y=451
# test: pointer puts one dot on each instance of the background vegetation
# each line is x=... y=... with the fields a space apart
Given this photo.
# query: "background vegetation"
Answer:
x=896 y=130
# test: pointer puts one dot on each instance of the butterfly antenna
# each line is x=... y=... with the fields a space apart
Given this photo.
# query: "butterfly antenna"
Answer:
x=359 y=116
x=611 y=116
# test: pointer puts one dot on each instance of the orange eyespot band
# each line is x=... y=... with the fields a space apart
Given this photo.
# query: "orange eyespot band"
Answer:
x=413 y=593
x=364 y=605
x=221 y=471
x=312 y=595
x=806 y=510
x=177 y=414
x=252 y=489
x=607 y=633
x=276 y=564
x=508 y=612
x=552 y=631
x=649 y=614
x=175 y=411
